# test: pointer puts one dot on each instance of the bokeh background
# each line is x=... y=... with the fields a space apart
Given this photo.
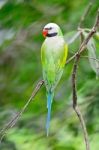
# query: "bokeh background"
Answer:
x=21 y=23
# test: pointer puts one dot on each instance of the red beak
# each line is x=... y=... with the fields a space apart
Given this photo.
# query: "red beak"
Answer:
x=45 y=32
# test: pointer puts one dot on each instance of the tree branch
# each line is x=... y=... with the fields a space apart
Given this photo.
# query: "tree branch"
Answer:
x=13 y=121
x=74 y=72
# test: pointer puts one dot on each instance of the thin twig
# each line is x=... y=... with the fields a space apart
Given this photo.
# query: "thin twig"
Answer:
x=11 y=123
x=90 y=58
x=85 y=14
x=84 y=56
x=77 y=57
x=71 y=58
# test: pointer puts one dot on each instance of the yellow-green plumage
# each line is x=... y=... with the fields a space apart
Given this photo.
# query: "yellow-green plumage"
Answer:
x=53 y=61
x=53 y=55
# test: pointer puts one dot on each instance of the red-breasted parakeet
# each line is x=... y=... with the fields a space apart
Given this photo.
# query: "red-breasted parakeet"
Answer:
x=53 y=56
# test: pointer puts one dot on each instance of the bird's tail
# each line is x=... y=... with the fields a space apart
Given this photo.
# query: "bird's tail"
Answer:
x=50 y=96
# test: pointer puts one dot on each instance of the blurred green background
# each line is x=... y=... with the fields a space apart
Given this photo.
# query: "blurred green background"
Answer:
x=21 y=23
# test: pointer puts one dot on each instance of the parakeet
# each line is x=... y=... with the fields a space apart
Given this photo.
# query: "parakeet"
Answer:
x=53 y=57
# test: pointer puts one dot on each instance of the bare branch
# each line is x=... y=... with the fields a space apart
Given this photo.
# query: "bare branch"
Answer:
x=75 y=105
x=77 y=57
x=13 y=121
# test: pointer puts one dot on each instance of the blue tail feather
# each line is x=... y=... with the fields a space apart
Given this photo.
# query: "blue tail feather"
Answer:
x=49 y=103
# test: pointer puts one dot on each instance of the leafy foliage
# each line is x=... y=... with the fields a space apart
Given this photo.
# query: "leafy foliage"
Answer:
x=94 y=62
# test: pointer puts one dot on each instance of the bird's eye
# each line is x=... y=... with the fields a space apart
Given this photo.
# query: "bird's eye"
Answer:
x=50 y=28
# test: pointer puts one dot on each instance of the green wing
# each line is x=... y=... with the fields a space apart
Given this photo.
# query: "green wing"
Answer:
x=60 y=63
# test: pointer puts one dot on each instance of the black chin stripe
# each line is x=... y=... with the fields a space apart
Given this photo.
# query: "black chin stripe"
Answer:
x=51 y=35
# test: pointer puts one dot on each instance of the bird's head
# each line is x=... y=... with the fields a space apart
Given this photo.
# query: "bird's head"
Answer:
x=51 y=30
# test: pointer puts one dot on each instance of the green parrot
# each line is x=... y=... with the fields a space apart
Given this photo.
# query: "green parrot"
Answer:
x=53 y=56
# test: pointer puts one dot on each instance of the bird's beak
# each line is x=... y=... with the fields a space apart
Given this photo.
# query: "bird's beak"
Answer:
x=45 y=32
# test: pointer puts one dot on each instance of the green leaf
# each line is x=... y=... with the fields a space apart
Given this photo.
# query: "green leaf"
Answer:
x=6 y=35
x=91 y=47
x=97 y=35
x=92 y=56
x=70 y=37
